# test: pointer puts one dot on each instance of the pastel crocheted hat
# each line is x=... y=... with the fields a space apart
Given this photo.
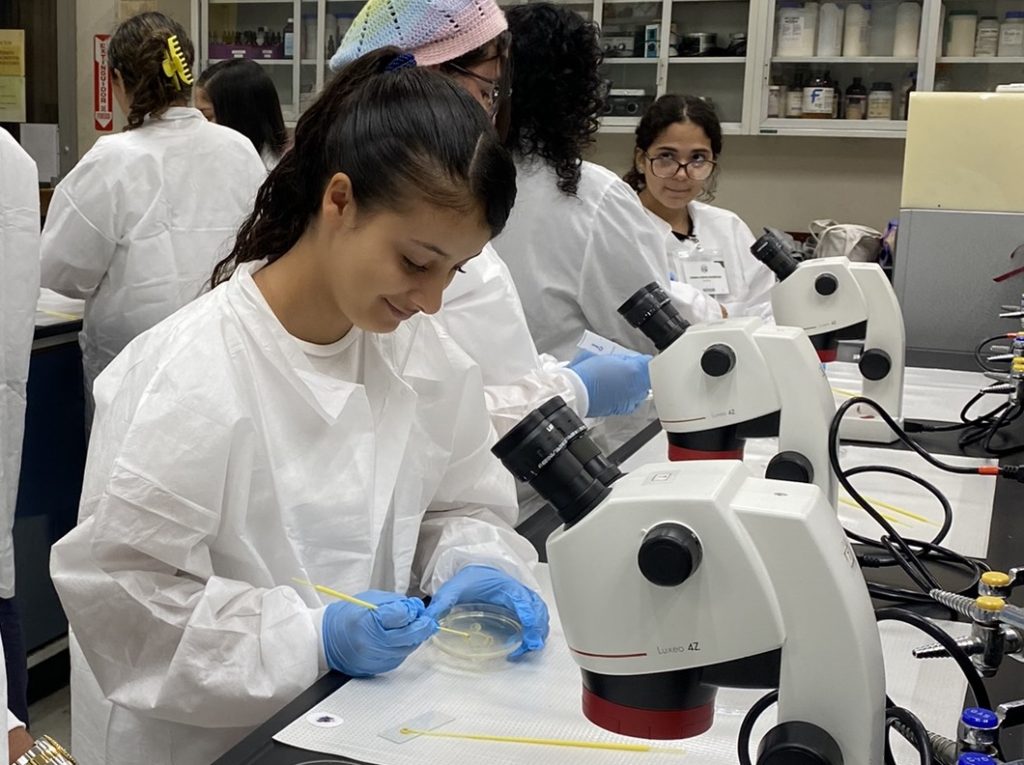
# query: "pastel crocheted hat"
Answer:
x=434 y=31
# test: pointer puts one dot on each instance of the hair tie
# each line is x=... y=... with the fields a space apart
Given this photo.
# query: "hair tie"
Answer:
x=401 y=61
x=175 y=66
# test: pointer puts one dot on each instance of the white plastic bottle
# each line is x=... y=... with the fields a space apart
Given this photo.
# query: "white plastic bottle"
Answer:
x=882 y=35
x=830 y=29
x=1011 y=34
x=986 y=43
x=789 y=30
x=962 y=27
x=908 y=30
x=856 y=30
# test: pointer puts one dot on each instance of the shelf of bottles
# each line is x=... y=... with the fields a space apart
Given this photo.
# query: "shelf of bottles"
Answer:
x=980 y=45
x=841 y=69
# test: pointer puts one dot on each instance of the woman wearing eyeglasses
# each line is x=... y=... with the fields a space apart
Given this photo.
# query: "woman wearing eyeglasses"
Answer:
x=675 y=163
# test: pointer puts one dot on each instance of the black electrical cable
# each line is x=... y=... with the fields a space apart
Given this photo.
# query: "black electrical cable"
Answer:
x=923 y=744
x=981 y=697
x=747 y=727
x=927 y=550
x=965 y=421
x=984 y=363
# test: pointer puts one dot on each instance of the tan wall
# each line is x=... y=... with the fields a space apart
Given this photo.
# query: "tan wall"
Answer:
x=100 y=17
x=787 y=182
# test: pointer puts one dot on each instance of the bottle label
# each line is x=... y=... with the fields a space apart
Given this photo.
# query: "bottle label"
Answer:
x=880 y=107
x=818 y=100
x=1012 y=34
x=856 y=107
x=794 y=103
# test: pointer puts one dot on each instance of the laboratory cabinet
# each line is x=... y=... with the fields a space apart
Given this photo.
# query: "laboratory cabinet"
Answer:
x=770 y=67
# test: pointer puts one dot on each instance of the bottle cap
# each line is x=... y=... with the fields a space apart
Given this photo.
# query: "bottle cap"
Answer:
x=1015 y=14
x=975 y=758
x=882 y=86
x=977 y=717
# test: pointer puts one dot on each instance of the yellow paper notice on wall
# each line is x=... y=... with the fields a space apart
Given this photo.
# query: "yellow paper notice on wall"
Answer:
x=12 y=52
x=12 y=99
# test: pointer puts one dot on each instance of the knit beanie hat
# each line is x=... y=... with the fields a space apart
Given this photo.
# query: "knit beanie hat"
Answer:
x=435 y=31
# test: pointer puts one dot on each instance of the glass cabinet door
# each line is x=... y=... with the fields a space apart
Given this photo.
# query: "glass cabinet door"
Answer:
x=709 y=54
x=980 y=44
x=834 y=68
x=266 y=31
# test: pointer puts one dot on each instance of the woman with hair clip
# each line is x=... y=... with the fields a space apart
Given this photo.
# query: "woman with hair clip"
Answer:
x=578 y=243
x=306 y=421
x=675 y=163
x=239 y=94
x=136 y=226
x=482 y=310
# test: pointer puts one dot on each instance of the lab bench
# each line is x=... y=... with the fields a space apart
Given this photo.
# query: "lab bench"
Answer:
x=52 y=465
x=1004 y=552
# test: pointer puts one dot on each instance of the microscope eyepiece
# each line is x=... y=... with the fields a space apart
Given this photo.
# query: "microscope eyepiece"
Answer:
x=550 y=450
x=650 y=310
x=772 y=250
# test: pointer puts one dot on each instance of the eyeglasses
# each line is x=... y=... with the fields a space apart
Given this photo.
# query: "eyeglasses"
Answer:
x=491 y=97
x=697 y=169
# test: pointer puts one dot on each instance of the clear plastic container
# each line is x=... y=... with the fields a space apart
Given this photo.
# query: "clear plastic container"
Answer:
x=494 y=632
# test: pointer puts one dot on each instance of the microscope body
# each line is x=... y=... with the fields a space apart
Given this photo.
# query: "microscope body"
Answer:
x=831 y=299
x=691 y=576
x=722 y=382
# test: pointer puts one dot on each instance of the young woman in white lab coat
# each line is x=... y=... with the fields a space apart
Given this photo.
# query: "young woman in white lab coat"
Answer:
x=19 y=293
x=304 y=420
x=578 y=244
x=239 y=94
x=482 y=310
x=136 y=226
x=675 y=161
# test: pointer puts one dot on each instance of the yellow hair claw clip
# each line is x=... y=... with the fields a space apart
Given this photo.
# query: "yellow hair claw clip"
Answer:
x=175 y=65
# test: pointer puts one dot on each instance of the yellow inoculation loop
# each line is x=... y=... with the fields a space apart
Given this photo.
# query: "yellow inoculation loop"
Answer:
x=545 y=741
x=990 y=603
x=363 y=603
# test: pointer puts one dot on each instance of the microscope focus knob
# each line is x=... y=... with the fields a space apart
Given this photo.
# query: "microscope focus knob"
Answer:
x=718 y=360
x=669 y=554
x=826 y=284
x=875 y=364
x=799 y=743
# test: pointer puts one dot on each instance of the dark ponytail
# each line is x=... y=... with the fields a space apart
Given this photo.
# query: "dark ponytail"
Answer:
x=400 y=133
x=137 y=51
x=660 y=116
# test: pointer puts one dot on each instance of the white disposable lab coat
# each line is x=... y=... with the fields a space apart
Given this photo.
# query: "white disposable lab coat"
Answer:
x=222 y=466
x=576 y=259
x=19 y=293
x=137 y=226
x=722 y=236
x=483 y=314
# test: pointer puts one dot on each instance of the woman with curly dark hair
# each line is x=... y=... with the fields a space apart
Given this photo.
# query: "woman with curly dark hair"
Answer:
x=136 y=226
x=468 y=40
x=578 y=243
x=675 y=164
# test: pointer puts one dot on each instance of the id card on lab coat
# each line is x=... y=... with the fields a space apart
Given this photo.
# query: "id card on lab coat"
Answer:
x=703 y=269
x=707 y=275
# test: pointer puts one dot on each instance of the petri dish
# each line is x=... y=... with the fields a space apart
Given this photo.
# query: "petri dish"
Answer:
x=494 y=632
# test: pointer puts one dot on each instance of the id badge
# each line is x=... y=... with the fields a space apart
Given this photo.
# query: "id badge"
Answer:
x=707 y=275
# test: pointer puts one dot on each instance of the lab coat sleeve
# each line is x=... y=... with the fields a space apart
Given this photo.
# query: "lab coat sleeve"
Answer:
x=483 y=314
x=19 y=293
x=163 y=635
x=80 y=236
x=758 y=279
x=470 y=520
x=625 y=252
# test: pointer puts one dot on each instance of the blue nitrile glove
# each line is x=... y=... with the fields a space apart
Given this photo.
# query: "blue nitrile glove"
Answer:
x=484 y=584
x=362 y=642
x=616 y=384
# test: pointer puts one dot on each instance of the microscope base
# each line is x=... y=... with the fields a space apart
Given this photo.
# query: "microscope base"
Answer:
x=864 y=424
